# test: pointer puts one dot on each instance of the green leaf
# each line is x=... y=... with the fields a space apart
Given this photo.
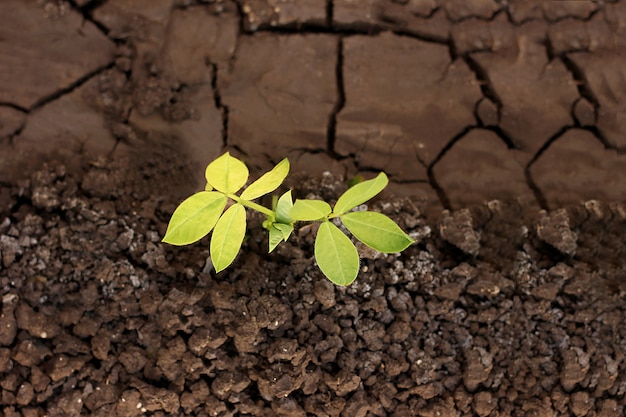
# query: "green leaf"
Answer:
x=276 y=236
x=285 y=229
x=336 y=255
x=360 y=193
x=227 y=174
x=377 y=231
x=268 y=182
x=278 y=233
x=194 y=218
x=228 y=237
x=308 y=210
x=283 y=207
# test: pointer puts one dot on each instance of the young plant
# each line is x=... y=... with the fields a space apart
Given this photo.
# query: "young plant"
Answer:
x=336 y=255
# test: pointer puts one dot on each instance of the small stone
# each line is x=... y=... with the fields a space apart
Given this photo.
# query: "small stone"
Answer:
x=9 y=248
x=287 y=407
x=5 y=360
x=62 y=366
x=478 y=367
x=483 y=403
x=37 y=324
x=580 y=403
x=25 y=394
x=8 y=324
x=30 y=353
x=325 y=293
x=133 y=359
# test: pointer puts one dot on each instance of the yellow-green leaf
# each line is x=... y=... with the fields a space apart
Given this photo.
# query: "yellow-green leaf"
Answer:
x=283 y=208
x=268 y=182
x=227 y=174
x=377 y=231
x=285 y=229
x=228 y=236
x=278 y=233
x=335 y=254
x=194 y=218
x=309 y=210
x=360 y=193
x=276 y=236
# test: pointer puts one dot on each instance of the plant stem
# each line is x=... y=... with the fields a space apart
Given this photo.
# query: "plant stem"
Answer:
x=252 y=205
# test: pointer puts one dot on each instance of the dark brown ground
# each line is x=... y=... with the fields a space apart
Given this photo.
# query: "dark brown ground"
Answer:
x=508 y=114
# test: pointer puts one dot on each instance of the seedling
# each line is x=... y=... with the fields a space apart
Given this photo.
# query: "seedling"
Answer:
x=336 y=255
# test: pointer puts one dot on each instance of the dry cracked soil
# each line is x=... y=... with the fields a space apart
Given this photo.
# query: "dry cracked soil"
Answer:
x=501 y=124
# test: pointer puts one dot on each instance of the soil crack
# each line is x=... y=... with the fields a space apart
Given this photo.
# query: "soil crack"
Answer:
x=574 y=17
x=73 y=86
x=346 y=30
x=87 y=10
x=502 y=136
x=481 y=75
x=478 y=17
x=432 y=180
x=217 y=98
x=330 y=12
x=14 y=106
x=582 y=84
x=421 y=36
x=331 y=134
x=539 y=196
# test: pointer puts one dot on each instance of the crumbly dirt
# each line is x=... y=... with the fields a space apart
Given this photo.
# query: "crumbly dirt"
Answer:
x=499 y=309
x=500 y=123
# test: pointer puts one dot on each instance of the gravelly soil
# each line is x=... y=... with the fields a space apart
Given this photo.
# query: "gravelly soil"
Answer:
x=498 y=310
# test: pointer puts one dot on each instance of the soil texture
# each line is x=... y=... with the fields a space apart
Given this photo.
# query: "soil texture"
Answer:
x=500 y=122
x=499 y=309
x=459 y=101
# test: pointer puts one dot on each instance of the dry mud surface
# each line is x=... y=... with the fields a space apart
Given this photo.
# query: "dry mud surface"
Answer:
x=458 y=100
x=501 y=123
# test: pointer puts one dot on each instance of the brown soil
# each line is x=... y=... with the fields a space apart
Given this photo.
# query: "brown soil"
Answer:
x=501 y=124
x=498 y=310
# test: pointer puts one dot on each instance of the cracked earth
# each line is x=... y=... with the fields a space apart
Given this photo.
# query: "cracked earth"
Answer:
x=500 y=123
x=477 y=100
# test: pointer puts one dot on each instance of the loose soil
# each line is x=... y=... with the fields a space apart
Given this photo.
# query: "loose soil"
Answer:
x=499 y=309
x=499 y=122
